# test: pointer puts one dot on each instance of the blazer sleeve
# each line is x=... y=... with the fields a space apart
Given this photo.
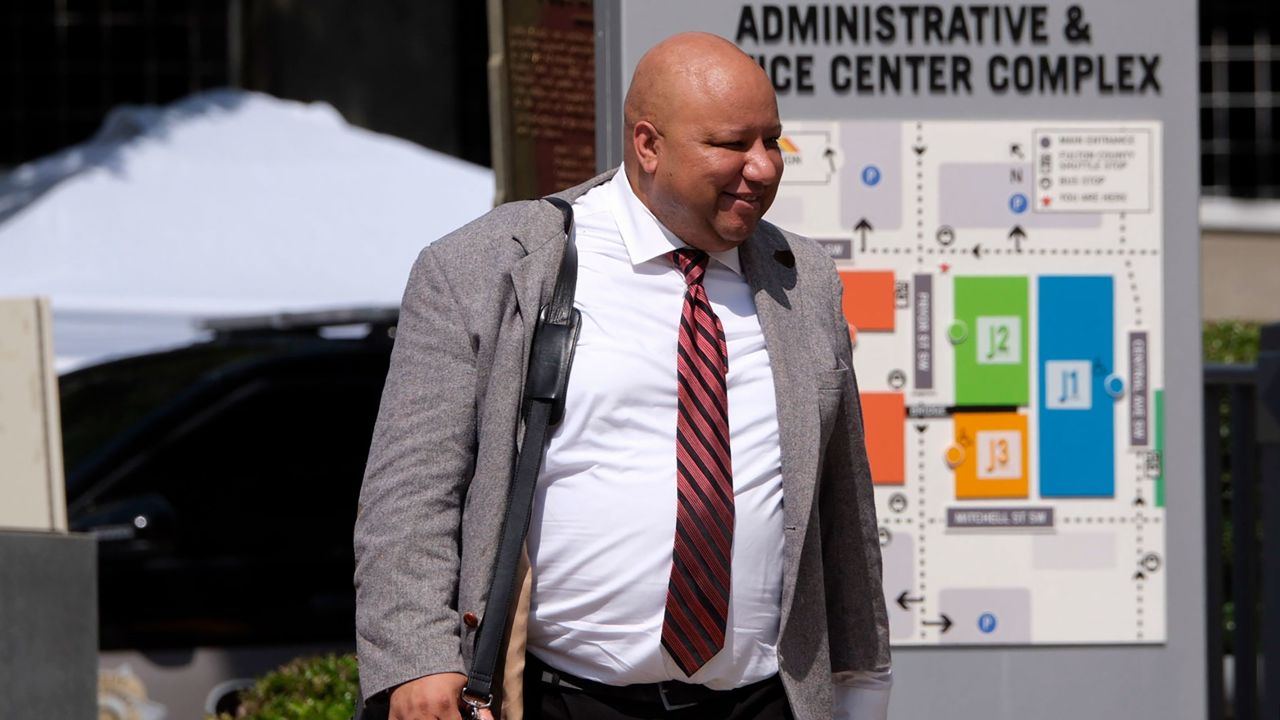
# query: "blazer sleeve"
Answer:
x=857 y=621
x=420 y=462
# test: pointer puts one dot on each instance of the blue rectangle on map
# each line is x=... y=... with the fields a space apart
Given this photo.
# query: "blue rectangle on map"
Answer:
x=1077 y=413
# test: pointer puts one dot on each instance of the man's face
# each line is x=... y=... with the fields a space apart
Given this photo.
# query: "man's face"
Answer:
x=718 y=164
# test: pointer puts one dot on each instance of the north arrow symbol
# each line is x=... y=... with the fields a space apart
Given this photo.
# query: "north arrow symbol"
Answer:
x=830 y=155
x=921 y=428
x=1017 y=235
x=919 y=149
x=863 y=227
x=903 y=601
x=1139 y=501
x=945 y=622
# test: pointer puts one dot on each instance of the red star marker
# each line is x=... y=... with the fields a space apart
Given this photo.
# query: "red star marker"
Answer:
x=1045 y=201
x=945 y=267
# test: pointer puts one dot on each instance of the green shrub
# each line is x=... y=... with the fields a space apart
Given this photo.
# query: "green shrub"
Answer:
x=315 y=688
x=1231 y=342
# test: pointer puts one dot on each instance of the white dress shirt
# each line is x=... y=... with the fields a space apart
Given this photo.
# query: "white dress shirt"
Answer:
x=603 y=519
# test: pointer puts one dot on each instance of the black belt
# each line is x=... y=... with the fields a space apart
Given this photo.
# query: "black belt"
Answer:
x=671 y=695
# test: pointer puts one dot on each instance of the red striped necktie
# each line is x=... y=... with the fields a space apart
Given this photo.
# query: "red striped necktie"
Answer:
x=697 y=607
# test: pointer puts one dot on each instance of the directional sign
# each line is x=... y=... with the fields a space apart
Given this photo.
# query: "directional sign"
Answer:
x=1031 y=199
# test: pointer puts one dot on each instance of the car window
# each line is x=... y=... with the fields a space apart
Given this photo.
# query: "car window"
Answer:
x=101 y=401
x=273 y=463
x=258 y=471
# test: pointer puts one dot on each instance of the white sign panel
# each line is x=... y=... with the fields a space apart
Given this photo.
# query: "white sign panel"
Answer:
x=1032 y=395
x=31 y=482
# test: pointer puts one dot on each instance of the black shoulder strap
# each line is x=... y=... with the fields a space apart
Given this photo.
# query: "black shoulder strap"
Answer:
x=550 y=359
x=562 y=297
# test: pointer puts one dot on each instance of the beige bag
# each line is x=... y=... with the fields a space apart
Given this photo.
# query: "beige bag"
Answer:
x=511 y=691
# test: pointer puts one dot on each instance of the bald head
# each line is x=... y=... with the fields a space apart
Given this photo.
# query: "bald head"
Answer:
x=700 y=148
x=684 y=66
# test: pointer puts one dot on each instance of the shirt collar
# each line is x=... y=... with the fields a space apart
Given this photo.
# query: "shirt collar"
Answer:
x=645 y=237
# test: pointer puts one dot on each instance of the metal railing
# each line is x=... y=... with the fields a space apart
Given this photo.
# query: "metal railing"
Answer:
x=1242 y=532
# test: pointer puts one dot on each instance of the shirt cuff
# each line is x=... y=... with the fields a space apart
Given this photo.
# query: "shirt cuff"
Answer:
x=862 y=695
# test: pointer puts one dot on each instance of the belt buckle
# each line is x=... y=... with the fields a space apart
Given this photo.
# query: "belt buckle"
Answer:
x=556 y=680
x=666 y=702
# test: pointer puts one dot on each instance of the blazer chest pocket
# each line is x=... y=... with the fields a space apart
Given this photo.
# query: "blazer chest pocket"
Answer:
x=832 y=386
x=833 y=380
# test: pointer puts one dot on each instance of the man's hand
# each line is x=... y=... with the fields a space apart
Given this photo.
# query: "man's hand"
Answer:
x=431 y=697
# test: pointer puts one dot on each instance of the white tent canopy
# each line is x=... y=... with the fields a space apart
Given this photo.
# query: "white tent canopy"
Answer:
x=224 y=203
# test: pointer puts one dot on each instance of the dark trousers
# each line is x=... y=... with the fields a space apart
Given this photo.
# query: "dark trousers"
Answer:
x=553 y=695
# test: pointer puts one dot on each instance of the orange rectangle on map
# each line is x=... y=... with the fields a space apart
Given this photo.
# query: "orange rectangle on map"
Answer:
x=868 y=300
x=884 y=422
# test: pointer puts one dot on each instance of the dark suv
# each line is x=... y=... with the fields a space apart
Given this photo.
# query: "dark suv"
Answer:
x=221 y=480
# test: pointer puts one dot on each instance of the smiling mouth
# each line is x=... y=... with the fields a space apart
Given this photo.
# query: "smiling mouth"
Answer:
x=751 y=198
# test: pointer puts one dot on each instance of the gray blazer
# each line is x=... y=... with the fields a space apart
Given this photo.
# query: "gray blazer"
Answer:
x=436 y=483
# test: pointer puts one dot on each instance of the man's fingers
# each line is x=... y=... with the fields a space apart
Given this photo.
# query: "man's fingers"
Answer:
x=431 y=697
x=426 y=710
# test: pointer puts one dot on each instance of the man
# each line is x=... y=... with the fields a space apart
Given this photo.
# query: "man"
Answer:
x=703 y=542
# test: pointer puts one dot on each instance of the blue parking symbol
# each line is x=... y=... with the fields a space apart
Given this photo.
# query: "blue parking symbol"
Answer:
x=1018 y=203
x=871 y=175
x=987 y=622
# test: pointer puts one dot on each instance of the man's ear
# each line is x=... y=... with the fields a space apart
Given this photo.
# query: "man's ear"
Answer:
x=645 y=138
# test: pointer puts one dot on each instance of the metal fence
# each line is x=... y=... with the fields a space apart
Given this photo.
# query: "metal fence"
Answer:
x=1242 y=531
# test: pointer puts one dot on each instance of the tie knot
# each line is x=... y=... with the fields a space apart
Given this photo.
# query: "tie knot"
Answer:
x=692 y=262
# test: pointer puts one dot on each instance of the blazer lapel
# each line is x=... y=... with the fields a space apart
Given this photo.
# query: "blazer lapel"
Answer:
x=534 y=277
x=540 y=236
x=769 y=266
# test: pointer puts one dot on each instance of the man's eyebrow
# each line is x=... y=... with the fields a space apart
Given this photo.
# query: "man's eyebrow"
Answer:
x=735 y=130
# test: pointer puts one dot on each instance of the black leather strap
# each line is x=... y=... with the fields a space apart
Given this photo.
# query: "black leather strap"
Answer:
x=550 y=359
x=562 y=297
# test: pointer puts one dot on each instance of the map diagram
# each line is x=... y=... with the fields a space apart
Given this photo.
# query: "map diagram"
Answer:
x=1003 y=288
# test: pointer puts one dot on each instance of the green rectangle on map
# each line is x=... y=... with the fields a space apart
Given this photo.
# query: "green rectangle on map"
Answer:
x=989 y=335
x=1160 y=447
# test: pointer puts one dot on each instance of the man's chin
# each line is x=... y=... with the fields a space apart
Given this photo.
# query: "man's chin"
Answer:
x=715 y=244
x=736 y=233
x=721 y=236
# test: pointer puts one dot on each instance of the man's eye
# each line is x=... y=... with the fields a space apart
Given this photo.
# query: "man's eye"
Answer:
x=772 y=142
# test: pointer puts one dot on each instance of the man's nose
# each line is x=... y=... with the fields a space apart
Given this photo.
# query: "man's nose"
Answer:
x=759 y=165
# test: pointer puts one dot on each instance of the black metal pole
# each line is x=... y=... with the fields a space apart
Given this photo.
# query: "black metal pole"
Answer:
x=1244 y=536
x=1268 y=426
x=1213 y=550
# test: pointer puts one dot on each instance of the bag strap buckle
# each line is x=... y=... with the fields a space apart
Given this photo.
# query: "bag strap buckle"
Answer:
x=476 y=704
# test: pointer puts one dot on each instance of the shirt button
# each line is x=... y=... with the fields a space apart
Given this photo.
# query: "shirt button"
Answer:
x=470 y=620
